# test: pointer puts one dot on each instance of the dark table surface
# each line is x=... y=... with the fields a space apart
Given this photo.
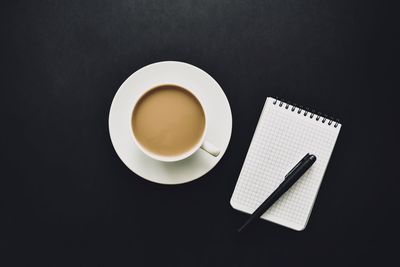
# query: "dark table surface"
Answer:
x=66 y=199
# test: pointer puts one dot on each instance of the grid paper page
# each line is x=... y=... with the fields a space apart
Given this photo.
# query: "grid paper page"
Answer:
x=281 y=140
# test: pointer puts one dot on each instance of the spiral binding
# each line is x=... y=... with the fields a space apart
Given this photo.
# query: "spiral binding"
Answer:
x=305 y=111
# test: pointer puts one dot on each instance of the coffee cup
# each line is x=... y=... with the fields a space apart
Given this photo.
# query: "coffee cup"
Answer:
x=168 y=123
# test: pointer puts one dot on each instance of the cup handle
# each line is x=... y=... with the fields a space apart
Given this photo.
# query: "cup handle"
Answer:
x=210 y=148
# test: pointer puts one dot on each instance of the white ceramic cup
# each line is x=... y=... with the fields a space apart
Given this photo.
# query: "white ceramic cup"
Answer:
x=203 y=144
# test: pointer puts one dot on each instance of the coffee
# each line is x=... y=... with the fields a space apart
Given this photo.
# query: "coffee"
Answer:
x=168 y=120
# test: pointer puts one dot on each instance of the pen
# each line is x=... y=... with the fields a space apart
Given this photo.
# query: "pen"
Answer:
x=290 y=178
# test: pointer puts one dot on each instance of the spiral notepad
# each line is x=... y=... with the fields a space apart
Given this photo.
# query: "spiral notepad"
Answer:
x=284 y=134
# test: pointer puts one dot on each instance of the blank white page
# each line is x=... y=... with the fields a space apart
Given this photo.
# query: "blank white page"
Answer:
x=282 y=137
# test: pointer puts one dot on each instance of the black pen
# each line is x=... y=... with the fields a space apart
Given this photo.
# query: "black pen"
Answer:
x=290 y=178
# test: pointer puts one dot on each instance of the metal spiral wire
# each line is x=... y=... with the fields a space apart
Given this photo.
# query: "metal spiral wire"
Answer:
x=305 y=111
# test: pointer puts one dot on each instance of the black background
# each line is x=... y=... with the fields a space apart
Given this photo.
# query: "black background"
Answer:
x=67 y=199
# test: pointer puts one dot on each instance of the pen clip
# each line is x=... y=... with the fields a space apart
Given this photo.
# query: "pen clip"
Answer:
x=298 y=164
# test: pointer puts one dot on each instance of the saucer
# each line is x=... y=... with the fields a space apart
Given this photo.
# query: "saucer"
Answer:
x=216 y=107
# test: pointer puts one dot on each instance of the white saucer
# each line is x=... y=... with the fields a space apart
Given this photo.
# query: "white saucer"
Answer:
x=218 y=114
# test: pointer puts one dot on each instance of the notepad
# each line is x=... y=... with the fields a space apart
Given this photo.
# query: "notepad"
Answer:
x=284 y=134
